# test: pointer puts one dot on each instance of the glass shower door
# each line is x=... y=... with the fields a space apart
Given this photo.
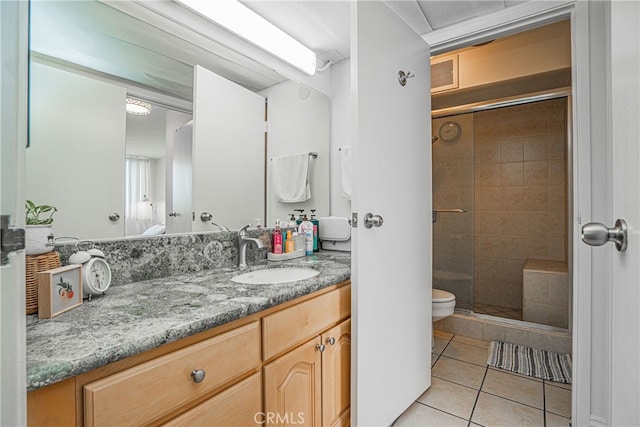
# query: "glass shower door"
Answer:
x=453 y=202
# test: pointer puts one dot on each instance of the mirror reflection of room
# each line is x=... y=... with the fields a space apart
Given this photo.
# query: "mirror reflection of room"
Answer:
x=113 y=174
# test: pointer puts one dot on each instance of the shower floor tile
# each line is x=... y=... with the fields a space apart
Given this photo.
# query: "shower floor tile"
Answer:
x=498 y=311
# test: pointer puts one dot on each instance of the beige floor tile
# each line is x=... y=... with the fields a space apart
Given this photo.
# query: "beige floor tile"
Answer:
x=450 y=397
x=557 y=400
x=491 y=368
x=434 y=357
x=462 y=373
x=442 y=334
x=420 y=415
x=440 y=344
x=494 y=411
x=471 y=341
x=514 y=387
x=561 y=385
x=467 y=353
x=554 y=420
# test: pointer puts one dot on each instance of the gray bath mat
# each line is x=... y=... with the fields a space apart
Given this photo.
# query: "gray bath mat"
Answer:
x=529 y=361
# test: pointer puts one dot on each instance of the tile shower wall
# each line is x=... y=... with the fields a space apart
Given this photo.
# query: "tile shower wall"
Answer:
x=520 y=195
x=453 y=232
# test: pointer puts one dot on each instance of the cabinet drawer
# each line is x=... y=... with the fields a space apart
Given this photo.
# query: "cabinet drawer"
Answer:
x=238 y=406
x=294 y=325
x=147 y=391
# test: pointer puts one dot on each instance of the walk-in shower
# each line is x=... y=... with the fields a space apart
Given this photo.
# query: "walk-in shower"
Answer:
x=500 y=190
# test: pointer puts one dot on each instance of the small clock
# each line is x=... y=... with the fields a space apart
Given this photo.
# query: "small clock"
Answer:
x=450 y=131
x=96 y=273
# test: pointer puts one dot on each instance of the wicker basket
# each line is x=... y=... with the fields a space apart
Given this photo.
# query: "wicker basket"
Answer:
x=36 y=264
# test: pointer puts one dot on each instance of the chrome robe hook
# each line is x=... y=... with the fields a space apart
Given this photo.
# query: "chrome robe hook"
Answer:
x=402 y=77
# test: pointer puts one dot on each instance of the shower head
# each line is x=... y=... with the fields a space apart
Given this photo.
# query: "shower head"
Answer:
x=434 y=139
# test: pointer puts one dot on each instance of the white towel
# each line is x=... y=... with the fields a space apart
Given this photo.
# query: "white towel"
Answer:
x=290 y=178
x=345 y=161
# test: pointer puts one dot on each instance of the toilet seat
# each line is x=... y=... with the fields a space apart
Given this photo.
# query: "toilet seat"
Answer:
x=439 y=296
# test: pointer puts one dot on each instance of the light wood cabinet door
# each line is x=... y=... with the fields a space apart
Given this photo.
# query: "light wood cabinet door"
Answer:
x=293 y=387
x=238 y=406
x=336 y=375
x=289 y=327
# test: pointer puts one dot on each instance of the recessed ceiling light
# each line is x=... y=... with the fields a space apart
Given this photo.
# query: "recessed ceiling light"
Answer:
x=252 y=27
x=135 y=106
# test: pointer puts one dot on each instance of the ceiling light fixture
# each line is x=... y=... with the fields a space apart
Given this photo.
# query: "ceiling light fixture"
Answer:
x=140 y=108
x=247 y=24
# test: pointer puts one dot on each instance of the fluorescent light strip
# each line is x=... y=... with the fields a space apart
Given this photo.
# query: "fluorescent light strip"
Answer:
x=247 y=24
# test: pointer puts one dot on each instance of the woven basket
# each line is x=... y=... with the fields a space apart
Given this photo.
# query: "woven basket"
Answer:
x=36 y=264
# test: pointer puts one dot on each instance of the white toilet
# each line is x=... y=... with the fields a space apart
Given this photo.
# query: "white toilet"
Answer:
x=442 y=305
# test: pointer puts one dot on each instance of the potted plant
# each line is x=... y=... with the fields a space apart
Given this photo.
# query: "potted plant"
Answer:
x=39 y=234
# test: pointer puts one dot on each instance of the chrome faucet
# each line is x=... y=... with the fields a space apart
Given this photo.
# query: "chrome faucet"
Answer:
x=243 y=242
x=221 y=227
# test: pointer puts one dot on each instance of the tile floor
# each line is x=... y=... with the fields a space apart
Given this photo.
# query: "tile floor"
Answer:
x=495 y=310
x=466 y=392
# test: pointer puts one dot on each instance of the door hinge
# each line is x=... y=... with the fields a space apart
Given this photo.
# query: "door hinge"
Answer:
x=353 y=221
x=11 y=239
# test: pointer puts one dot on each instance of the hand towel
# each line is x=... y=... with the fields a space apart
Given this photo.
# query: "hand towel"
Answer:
x=345 y=161
x=290 y=178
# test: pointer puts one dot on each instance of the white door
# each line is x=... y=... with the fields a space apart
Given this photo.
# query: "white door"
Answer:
x=75 y=155
x=14 y=27
x=391 y=264
x=228 y=152
x=181 y=181
x=625 y=280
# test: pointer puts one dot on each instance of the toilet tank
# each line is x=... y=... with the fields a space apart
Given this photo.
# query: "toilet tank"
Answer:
x=335 y=233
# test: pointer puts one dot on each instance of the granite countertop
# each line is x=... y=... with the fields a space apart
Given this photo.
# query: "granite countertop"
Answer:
x=136 y=317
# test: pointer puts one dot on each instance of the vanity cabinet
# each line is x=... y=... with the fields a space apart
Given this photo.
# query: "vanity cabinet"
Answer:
x=148 y=391
x=309 y=384
x=256 y=369
x=238 y=406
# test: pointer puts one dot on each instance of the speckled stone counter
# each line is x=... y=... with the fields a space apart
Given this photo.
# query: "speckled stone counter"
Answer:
x=136 y=317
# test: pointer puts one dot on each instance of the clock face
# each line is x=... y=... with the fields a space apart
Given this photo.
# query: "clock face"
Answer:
x=450 y=131
x=97 y=276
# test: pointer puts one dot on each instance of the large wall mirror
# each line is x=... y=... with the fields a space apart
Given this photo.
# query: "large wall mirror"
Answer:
x=200 y=157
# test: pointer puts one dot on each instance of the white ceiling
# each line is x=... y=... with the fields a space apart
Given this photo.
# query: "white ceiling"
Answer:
x=116 y=37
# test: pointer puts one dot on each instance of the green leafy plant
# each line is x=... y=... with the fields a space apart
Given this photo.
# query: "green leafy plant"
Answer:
x=37 y=214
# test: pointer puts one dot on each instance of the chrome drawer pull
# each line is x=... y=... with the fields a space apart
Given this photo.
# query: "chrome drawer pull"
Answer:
x=198 y=375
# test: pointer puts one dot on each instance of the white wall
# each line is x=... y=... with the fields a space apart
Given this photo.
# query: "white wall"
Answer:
x=340 y=133
x=76 y=158
x=299 y=121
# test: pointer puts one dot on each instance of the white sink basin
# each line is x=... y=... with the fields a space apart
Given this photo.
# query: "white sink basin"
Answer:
x=275 y=275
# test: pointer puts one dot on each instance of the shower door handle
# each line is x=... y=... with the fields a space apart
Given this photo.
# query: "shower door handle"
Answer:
x=596 y=234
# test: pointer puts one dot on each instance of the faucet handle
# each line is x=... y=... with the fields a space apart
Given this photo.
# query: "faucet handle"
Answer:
x=243 y=230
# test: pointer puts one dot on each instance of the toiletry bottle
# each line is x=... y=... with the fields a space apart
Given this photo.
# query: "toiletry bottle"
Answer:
x=289 y=245
x=292 y=221
x=277 y=240
x=300 y=216
x=316 y=230
x=298 y=239
x=306 y=229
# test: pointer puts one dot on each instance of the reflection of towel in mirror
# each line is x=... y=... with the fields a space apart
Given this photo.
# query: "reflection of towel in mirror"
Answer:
x=290 y=178
x=345 y=162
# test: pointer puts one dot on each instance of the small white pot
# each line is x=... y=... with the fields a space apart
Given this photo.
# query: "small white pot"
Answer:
x=39 y=239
